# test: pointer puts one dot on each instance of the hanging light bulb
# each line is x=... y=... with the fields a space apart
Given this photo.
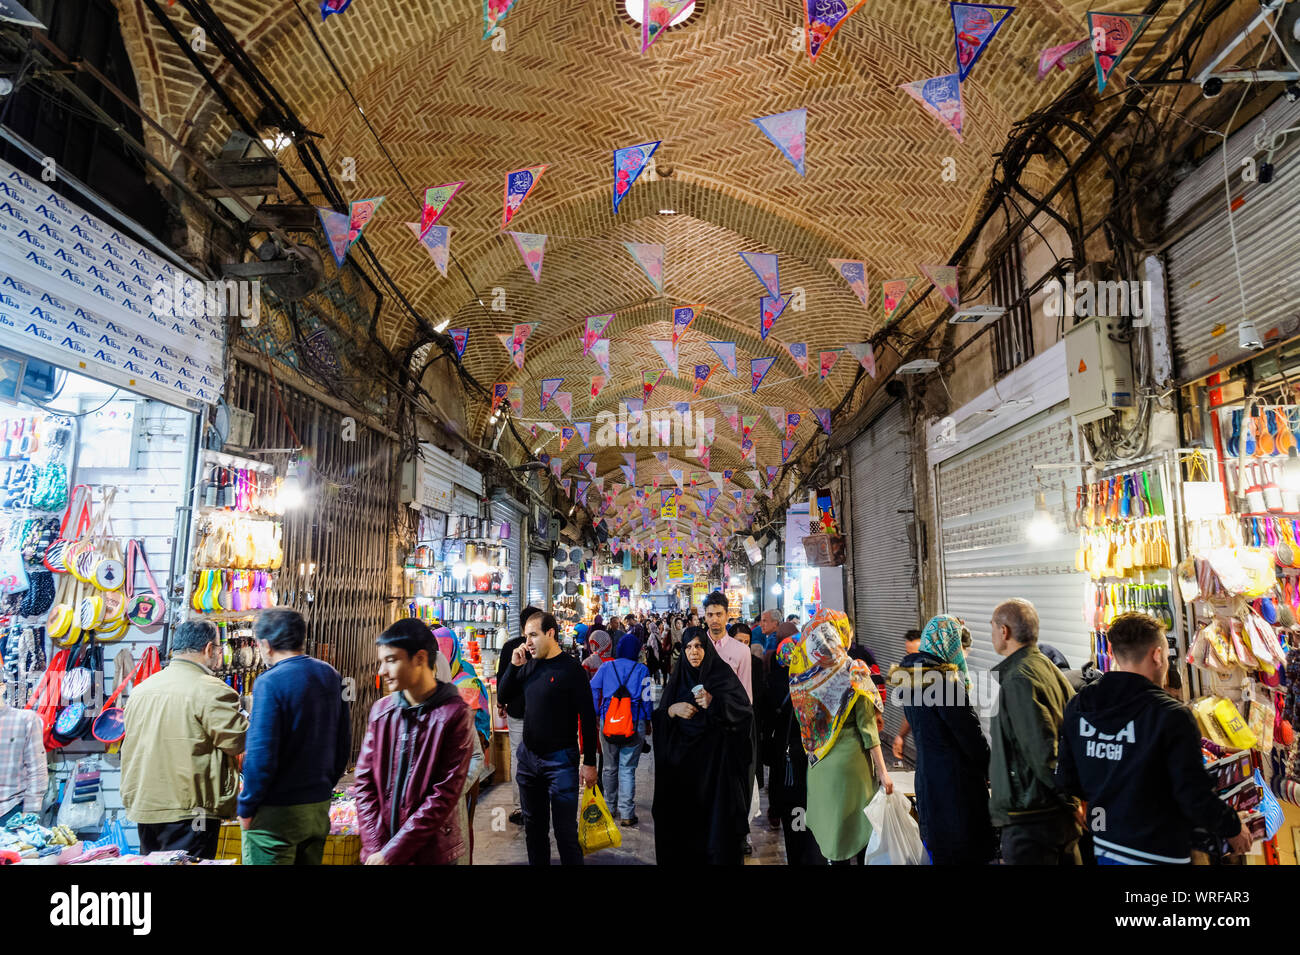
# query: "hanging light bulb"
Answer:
x=1041 y=529
x=1291 y=471
x=291 y=489
x=776 y=589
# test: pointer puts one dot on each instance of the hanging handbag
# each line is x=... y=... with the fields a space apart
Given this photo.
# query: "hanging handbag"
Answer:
x=45 y=700
x=56 y=553
x=110 y=725
x=144 y=610
x=74 y=720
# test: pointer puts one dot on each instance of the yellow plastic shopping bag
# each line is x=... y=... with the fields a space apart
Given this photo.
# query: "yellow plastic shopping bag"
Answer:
x=596 y=827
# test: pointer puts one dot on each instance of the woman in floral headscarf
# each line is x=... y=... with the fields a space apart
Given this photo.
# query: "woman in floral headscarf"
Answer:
x=952 y=755
x=465 y=678
x=836 y=705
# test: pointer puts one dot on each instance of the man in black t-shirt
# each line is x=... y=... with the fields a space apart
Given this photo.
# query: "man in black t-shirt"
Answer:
x=514 y=713
x=559 y=706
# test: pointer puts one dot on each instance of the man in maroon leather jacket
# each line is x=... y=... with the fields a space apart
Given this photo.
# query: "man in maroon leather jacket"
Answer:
x=417 y=746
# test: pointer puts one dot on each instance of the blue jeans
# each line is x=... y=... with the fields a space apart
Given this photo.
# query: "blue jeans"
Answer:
x=620 y=775
x=549 y=783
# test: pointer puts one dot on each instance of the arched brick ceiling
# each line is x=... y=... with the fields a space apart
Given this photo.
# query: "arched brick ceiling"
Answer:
x=571 y=87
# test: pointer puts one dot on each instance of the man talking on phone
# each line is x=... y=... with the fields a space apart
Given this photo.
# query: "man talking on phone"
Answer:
x=557 y=699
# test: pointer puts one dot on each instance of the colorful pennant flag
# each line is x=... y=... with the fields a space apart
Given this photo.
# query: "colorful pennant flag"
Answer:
x=853 y=271
x=717 y=479
x=892 y=294
x=548 y=427
x=565 y=401
x=798 y=354
x=658 y=15
x=704 y=452
x=786 y=448
x=435 y=201
x=499 y=392
x=710 y=495
x=326 y=7
x=668 y=352
x=827 y=361
x=556 y=467
x=661 y=457
x=531 y=248
x=683 y=408
x=787 y=131
x=747 y=424
x=1062 y=56
x=494 y=11
x=635 y=407
x=361 y=212
x=648 y=381
x=516 y=350
x=822 y=20
x=597 y=385
x=732 y=414
x=600 y=352
x=823 y=418
x=587 y=462
x=771 y=473
x=682 y=318
x=1112 y=35
x=770 y=309
x=758 y=369
x=766 y=267
x=940 y=96
x=584 y=431
x=702 y=375
x=519 y=186
x=566 y=435
x=726 y=352
x=516 y=398
x=973 y=26
x=650 y=258
x=436 y=241
x=596 y=325
x=865 y=353
x=706 y=426
x=668 y=504
x=747 y=450
x=567 y=483
x=792 y=424
x=335 y=225
x=459 y=340
x=777 y=415
x=629 y=466
x=943 y=278
x=629 y=163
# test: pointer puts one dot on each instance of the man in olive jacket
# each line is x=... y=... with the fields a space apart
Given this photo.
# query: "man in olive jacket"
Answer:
x=1039 y=821
x=184 y=733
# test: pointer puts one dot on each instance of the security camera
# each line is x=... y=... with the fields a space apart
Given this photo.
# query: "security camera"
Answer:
x=1212 y=87
x=1248 y=337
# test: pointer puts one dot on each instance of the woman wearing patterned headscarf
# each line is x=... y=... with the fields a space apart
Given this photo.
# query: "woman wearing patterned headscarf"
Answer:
x=952 y=755
x=836 y=705
x=601 y=645
x=466 y=680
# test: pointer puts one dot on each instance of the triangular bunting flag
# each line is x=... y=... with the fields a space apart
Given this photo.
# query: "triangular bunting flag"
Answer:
x=726 y=352
x=596 y=325
x=792 y=424
x=732 y=414
x=494 y=11
x=973 y=26
x=826 y=360
x=668 y=352
x=1112 y=35
x=566 y=435
x=648 y=381
x=499 y=392
x=587 y=462
x=548 y=427
x=597 y=386
x=798 y=354
x=656 y=16
x=943 y=278
x=777 y=415
x=650 y=258
x=567 y=483
x=710 y=495
x=940 y=96
x=787 y=132
x=755 y=477
x=661 y=457
x=531 y=247
x=771 y=473
x=361 y=212
x=519 y=185
x=683 y=408
x=584 y=431
x=822 y=20
x=786 y=448
x=758 y=369
x=565 y=401
x=336 y=226
x=823 y=418
x=516 y=352
x=635 y=408
x=865 y=353
x=459 y=340
x=1062 y=56
x=704 y=452
x=682 y=318
x=600 y=352
x=435 y=200
x=770 y=309
x=556 y=467
x=436 y=241
x=747 y=450
x=629 y=162
x=676 y=475
x=702 y=375
x=705 y=426
x=766 y=267
x=892 y=294
x=717 y=479
x=516 y=398
x=853 y=271
x=582 y=488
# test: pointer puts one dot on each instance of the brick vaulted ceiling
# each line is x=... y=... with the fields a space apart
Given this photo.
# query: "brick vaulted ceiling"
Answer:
x=570 y=87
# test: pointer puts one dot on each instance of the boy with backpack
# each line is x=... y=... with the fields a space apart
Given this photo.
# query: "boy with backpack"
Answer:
x=620 y=691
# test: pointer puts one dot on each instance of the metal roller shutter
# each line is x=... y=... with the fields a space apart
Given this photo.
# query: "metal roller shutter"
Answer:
x=539 y=580
x=985 y=498
x=884 y=557
x=1204 y=297
x=506 y=511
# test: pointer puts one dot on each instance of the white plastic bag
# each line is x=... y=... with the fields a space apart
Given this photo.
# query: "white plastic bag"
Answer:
x=895 y=836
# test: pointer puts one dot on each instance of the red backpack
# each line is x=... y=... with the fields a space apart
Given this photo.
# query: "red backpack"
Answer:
x=619 y=725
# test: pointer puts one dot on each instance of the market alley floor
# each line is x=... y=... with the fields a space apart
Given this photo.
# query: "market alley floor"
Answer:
x=497 y=842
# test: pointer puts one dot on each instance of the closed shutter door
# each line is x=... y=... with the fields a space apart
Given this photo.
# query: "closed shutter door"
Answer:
x=539 y=581
x=1205 y=300
x=985 y=503
x=503 y=511
x=884 y=558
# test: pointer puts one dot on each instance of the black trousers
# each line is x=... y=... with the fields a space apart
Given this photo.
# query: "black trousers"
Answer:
x=1049 y=840
x=171 y=836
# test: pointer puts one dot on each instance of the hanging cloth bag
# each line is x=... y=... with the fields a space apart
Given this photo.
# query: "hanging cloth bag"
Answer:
x=143 y=610
x=110 y=725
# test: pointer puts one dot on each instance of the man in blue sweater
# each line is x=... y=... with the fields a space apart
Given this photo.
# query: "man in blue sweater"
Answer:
x=299 y=740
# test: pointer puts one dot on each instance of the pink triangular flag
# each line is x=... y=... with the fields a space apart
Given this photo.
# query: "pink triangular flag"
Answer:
x=519 y=185
x=941 y=97
x=667 y=352
x=531 y=247
x=436 y=241
x=435 y=201
x=865 y=353
x=943 y=278
x=651 y=259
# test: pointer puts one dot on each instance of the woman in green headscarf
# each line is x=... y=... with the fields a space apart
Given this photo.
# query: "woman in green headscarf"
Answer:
x=952 y=755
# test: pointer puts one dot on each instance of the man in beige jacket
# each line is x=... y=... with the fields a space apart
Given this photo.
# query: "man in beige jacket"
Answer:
x=184 y=734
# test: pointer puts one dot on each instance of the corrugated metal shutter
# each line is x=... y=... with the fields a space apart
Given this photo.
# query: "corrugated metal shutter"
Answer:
x=507 y=511
x=985 y=501
x=539 y=580
x=1204 y=293
x=884 y=557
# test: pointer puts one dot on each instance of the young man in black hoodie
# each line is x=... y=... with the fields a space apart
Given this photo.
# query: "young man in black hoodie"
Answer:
x=1133 y=753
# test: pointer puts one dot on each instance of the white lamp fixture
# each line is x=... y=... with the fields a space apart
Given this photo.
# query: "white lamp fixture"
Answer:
x=1041 y=529
x=977 y=316
x=1248 y=336
x=291 y=489
x=442 y=326
x=776 y=590
x=919 y=366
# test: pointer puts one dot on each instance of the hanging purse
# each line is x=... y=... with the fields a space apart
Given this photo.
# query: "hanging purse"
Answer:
x=110 y=725
x=144 y=610
x=56 y=553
